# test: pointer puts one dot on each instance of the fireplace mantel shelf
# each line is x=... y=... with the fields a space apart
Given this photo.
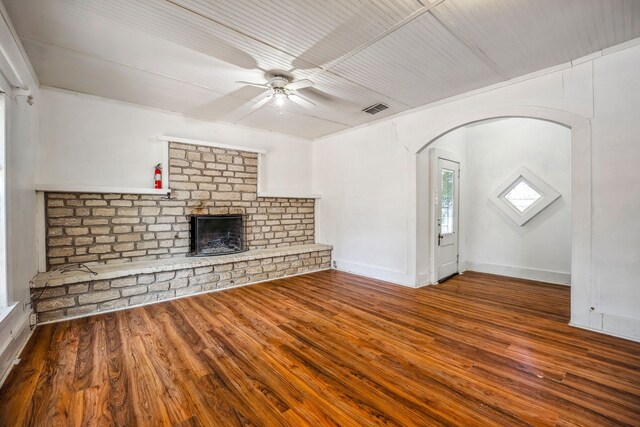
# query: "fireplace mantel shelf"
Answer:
x=72 y=188
x=288 y=195
x=114 y=271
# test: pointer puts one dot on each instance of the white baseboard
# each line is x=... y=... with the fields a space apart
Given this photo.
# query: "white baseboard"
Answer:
x=397 y=277
x=617 y=326
x=555 y=277
x=15 y=331
x=424 y=280
x=625 y=327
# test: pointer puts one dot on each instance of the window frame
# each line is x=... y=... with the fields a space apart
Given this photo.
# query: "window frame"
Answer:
x=547 y=196
x=516 y=183
x=5 y=102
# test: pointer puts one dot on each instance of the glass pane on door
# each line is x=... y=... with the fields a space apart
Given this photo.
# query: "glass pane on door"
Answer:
x=447 y=198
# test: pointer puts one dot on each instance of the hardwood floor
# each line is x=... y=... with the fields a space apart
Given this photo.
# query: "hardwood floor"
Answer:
x=331 y=348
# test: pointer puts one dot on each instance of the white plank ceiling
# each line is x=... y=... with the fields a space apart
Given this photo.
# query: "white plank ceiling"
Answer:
x=186 y=55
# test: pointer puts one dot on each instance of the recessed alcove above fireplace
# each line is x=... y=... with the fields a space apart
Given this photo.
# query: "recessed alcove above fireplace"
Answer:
x=217 y=235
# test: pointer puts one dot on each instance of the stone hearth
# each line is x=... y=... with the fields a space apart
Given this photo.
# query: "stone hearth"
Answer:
x=115 y=286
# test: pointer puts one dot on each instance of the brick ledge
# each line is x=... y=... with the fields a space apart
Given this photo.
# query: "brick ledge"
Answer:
x=79 y=316
x=114 y=271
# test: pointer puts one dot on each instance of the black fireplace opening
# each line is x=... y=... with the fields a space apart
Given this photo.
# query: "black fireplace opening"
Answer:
x=217 y=235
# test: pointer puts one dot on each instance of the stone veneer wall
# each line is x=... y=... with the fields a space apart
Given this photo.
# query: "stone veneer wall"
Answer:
x=58 y=302
x=108 y=228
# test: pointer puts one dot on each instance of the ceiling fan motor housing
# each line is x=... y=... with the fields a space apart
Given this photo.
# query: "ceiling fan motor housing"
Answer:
x=278 y=82
x=281 y=89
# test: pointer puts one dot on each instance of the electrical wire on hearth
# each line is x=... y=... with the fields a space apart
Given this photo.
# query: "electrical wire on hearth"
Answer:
x=62 y=269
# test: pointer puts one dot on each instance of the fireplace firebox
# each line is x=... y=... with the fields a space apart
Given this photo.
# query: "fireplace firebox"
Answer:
x=217 y=235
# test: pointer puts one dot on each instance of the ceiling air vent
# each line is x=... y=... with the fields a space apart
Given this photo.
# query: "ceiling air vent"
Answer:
x=376 y=108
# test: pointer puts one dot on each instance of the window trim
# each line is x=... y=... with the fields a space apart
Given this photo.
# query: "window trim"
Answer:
x=547 y=196
x=5 y=292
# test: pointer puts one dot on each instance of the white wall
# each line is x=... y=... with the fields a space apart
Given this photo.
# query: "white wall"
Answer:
x=22 y=149
x=106 y=143
x=616 y=190
x=22 y=154
x=603 y=90
x=490 y=240
x=364 y=208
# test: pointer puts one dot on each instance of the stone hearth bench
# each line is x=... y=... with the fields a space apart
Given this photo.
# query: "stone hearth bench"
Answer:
x=77 y=293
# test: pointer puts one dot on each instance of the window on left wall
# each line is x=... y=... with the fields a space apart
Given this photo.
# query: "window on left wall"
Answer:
x=4 y=289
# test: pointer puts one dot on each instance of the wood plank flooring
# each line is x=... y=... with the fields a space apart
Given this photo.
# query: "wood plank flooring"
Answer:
x=331 y=348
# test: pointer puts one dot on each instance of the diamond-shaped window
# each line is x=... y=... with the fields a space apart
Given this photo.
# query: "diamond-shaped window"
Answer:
x=522 y=195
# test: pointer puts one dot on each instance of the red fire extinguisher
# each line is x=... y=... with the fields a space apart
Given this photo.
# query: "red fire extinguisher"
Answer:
x=157 y=176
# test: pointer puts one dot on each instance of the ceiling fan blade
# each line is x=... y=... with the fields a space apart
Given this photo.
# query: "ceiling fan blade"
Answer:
x=301 y=101
x=300 y=84
x=254 y=84
x=261 y=103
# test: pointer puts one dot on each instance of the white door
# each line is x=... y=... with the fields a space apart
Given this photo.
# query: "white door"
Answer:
x=447 y=196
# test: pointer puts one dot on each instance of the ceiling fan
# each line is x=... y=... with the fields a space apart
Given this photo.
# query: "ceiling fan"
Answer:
x=280 y=89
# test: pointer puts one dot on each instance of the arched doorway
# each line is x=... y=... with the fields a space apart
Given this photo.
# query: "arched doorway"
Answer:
x=583 y=296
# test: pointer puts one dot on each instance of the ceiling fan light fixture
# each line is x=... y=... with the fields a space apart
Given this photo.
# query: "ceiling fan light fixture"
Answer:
x=280 y=89
x=280 y=97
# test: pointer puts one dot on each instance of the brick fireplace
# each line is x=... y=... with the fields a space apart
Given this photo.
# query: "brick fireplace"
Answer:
x=115 y=233
x=114 y=228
